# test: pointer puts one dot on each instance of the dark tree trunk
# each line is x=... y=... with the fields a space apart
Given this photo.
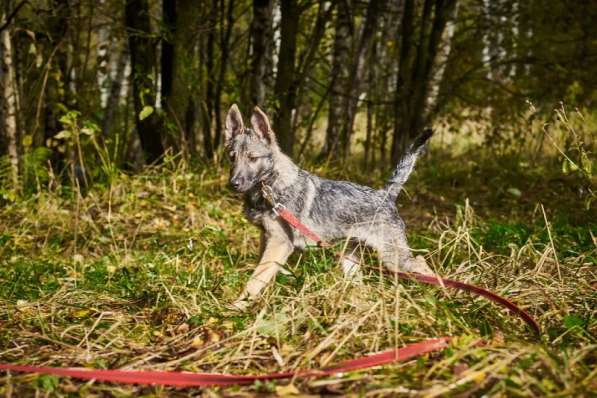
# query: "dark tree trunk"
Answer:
x=167 y=56
x=261 y=49
x=340 y=80
x=371 y=96
x=207 y=110
x=285 y=88
x=226 y=25
x=405 y=38
x=181 y=19
x=415 y=67
x=437 y=84
x=57 y=91
x=143 y=62
x=443 y=9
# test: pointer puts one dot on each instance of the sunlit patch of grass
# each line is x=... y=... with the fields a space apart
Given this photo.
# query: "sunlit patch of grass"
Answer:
x=138 y=274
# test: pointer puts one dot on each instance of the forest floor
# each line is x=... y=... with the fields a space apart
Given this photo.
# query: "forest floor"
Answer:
x=138 y=274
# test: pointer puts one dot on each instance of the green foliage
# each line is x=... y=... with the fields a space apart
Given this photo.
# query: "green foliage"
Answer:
x=145 y=112
x=47 y=383
x=87 y=151
x=35 y=173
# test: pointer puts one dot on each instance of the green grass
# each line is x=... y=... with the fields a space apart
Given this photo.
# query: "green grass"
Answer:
x=138 y=274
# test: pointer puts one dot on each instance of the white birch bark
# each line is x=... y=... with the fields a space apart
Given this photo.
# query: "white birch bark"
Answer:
x=9 y=106
x=439 y=67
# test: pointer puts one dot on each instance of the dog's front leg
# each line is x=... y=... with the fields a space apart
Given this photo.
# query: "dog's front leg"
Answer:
x=350 y=260
x=277 y=248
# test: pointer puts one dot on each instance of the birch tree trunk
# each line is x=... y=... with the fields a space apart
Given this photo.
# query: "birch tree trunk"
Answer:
x=340 y=80
x=261 y=50
x=355 y=88
x=439 y=67
x=9 y=107
x=117 y=76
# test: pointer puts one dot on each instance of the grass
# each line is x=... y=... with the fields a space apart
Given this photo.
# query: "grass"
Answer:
x=138 y=274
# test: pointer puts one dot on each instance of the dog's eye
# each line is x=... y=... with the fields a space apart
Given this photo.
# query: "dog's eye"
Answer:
x=253 y=158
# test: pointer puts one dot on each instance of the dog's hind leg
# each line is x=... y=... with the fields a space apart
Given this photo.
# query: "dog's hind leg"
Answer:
x=392 y=246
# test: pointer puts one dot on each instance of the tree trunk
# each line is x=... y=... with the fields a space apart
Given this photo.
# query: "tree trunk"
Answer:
x=178 y=61
x=355 y=88
x=207 y=109
x=58 y=86
x=437 y=74
x=225 y=35
x=405 y=38
x=143 y=62
x=427 y=58
x=491 y=49
x=285 y=89
x=9 y=106
x=305 y=62
x=116 y=79
x=340 y=80
x=371 y=91
x=261 y=49
x=414 y=74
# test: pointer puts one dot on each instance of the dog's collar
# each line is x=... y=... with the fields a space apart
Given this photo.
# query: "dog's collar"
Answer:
x=268 y=194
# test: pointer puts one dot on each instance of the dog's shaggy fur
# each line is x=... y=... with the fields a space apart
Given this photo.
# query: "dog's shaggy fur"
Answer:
x=332 y=209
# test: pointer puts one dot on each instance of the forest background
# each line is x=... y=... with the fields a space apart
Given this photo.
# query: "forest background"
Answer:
x=121 y=245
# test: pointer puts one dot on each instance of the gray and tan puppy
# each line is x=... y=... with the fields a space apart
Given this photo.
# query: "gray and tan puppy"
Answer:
x=331 y=209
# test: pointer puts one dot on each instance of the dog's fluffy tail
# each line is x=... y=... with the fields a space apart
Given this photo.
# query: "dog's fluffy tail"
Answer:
x=407 y=163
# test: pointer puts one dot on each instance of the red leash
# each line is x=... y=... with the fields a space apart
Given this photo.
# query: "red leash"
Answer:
x=185 y=379
x=299 y=226
x=491 y=296
x=427 y=279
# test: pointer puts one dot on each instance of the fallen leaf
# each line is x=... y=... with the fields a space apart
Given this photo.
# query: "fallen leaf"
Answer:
x=83 y=313
x=287 y=390
x=198 y=342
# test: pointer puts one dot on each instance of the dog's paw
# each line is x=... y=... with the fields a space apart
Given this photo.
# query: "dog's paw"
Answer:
x=419 y=265
x=351 y=268
x=240 y=305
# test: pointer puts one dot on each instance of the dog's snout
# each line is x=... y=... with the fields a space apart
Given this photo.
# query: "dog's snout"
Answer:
x=236 y=182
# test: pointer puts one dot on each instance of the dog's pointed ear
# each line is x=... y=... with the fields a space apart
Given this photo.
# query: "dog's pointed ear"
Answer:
x=261 y=126
x=234 y=123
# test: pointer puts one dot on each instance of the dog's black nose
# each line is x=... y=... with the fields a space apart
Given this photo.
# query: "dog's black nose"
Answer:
x=235 y=183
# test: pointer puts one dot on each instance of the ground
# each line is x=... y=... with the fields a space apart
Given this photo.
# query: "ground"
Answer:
x=138 y=272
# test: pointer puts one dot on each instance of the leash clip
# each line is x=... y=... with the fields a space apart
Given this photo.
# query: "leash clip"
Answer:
x=268 y=194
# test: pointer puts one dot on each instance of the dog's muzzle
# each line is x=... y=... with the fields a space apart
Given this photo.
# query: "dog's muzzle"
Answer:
x=240 y=184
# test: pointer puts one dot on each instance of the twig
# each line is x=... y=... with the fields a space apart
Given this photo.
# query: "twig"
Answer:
x=12 y=15
x=553 y=247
